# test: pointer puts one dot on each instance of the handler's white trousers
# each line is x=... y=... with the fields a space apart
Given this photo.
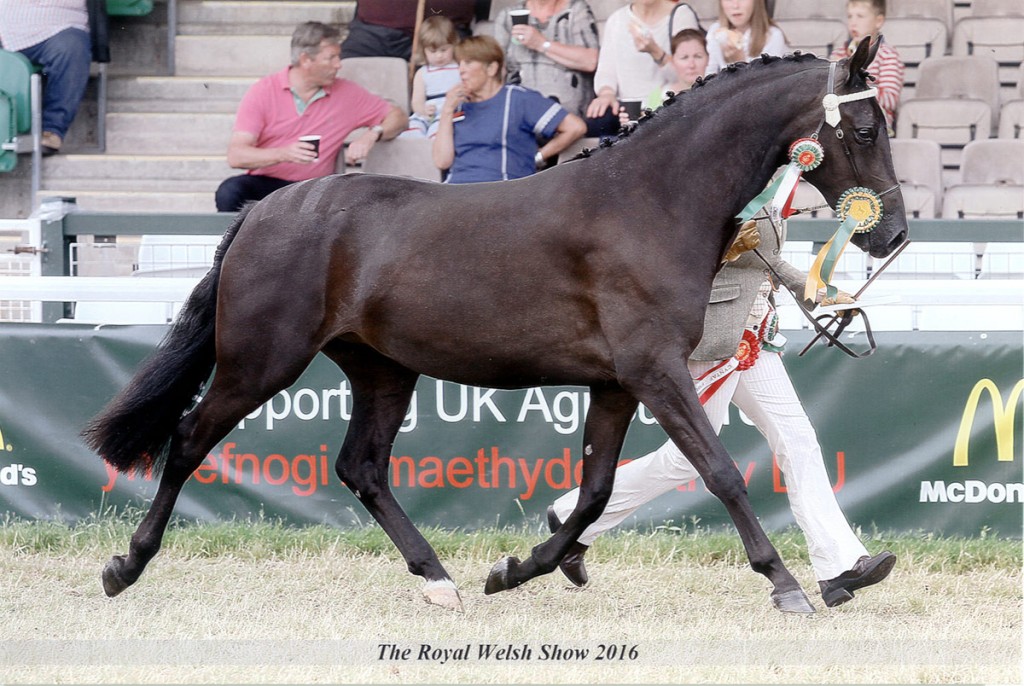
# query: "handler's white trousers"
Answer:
x=766 y=395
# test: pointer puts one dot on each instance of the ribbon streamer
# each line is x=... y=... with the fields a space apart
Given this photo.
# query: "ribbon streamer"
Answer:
x=825 y=263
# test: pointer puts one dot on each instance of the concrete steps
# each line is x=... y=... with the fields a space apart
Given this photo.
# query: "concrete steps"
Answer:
x=266 y=17
x=253 y=56
x=168 y=94
x=173 y=133
x=138 y=201
x=146 y=173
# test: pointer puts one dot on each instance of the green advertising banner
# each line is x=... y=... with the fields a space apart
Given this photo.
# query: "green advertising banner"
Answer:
x=923 y=435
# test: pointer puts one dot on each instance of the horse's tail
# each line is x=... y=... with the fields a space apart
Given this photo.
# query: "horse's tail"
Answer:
x=133 y=432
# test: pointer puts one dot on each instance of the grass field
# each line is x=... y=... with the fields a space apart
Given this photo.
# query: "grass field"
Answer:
x=259 y=602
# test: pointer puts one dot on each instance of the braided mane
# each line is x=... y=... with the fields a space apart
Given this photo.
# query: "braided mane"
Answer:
x=727 y=75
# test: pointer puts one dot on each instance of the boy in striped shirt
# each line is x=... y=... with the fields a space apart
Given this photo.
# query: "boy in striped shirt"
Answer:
x=864 y=19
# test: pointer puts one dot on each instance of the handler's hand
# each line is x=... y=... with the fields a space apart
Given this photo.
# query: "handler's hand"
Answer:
x=747 y=239
x=841 y=298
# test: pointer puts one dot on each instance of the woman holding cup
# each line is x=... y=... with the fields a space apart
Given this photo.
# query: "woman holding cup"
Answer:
x=635 y=52
x=551 y=47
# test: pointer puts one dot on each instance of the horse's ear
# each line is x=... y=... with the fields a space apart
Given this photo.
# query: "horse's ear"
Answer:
x=865 y=55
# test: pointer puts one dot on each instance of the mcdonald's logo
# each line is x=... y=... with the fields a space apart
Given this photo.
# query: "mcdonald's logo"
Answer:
x=1003 y=419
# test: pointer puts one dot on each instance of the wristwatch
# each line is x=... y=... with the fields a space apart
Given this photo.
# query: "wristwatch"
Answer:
x=379 y=130
x=544 y=48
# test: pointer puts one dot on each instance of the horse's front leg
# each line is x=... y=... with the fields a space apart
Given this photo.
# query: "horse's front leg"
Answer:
x=611 y=410
x=670 y=395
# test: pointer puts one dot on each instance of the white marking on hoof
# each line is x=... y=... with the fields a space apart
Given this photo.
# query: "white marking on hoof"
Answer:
x=444 y=593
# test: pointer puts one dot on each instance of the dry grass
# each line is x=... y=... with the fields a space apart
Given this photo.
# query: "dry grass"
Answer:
x=317 y=610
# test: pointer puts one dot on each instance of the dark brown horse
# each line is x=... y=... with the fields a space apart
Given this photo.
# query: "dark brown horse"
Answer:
x=595 y=273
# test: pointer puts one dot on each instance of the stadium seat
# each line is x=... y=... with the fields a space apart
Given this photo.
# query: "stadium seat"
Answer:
x=809 y=9
x=817 y=36
x=387 y=77
x=20 y=115
x=918 y=164
x=915 y=39
x=1011 y=119
x=961 y=77
x=967 y=201
x=998 y=37
x=997 y=8
x=931 y=9
x=403 y=157
x=957 y=101
x=994 y=161
x=950 y=123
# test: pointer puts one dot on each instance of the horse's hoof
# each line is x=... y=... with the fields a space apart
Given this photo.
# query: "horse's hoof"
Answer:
x=113 y=583
x=497 y=580
x=443 y=592
x=795 y=601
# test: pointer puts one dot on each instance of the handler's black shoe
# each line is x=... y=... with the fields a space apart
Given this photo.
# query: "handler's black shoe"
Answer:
x=866 y=571
x=572 y=564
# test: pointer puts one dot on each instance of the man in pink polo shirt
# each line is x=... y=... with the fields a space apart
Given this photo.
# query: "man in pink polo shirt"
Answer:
x=307 y=98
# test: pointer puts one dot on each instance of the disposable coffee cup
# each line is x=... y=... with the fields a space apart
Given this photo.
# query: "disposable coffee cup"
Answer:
x=519 y=16
x=315 y=140
x=633 y=109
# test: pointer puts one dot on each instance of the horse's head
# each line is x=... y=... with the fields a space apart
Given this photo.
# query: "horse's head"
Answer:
x=857 y=154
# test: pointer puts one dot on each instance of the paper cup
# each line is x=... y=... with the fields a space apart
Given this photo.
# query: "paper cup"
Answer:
x=315 y=140
x=519 y=16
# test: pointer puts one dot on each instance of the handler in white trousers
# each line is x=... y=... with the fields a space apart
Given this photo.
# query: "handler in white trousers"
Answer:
x=741 y=301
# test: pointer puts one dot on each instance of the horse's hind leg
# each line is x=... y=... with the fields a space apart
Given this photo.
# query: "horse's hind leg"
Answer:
x=229 y=398
x=678 y=409
x=381 y=390
x=608 y=418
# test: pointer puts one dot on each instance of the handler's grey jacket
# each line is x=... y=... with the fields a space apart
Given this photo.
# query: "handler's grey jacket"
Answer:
x=734 y=290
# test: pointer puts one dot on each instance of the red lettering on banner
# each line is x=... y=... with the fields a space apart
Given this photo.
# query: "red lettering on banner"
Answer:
x=564 y=464
x=459 y=467
x=432 y=477
x=275 y=480
x=489 y=468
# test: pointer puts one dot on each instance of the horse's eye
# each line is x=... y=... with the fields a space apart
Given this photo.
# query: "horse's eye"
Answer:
x=865 y=134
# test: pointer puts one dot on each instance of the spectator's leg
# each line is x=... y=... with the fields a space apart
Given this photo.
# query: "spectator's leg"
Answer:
x=65 y=60
x=603 y=126
x=369 y=40
x=238 y=190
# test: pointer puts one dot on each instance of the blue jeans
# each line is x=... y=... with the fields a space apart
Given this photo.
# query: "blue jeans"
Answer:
x=65 y=60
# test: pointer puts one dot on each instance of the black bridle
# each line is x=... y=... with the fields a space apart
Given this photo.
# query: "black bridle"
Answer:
x=843 y=318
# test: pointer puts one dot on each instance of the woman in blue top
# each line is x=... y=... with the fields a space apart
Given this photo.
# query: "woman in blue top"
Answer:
x=489 y=131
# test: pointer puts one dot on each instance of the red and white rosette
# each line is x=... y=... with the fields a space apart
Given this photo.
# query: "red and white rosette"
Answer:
x=805 y=154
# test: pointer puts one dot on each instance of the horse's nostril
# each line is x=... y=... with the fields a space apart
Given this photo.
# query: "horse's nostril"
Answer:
x=897 y=240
